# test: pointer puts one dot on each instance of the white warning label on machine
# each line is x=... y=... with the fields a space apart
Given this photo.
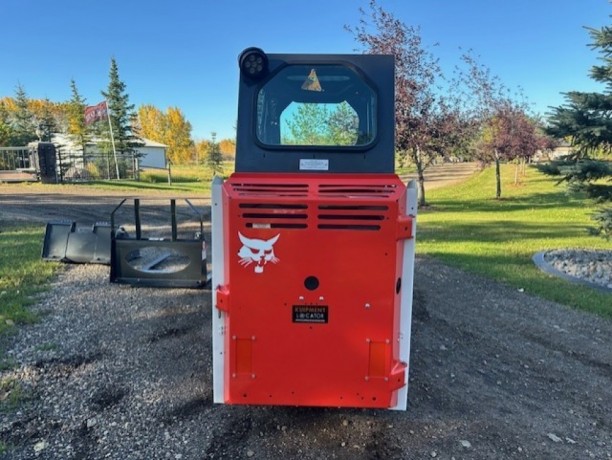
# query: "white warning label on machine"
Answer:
x=309 y=164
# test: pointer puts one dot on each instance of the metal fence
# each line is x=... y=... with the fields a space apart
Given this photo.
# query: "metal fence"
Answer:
x=14 y=158
x=74 y=166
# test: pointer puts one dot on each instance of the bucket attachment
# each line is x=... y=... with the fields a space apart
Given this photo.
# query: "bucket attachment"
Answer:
x=155 y=261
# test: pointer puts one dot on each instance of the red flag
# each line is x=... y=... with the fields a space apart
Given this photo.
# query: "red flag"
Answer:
x=95 y=113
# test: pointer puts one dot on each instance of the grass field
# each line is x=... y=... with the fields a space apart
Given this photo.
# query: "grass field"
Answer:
x=185 y=179
x=468 y=228
x=22 y=273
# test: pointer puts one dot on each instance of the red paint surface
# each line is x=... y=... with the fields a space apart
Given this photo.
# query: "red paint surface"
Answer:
x=345 y=231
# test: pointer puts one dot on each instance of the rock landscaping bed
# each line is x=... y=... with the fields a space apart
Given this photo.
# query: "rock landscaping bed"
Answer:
x=588 y=266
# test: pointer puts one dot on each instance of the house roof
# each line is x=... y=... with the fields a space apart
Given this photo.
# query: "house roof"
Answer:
x=150 y=143
x=64 y=139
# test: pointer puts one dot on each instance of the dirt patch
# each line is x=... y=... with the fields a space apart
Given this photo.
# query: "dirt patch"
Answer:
x=444 y=174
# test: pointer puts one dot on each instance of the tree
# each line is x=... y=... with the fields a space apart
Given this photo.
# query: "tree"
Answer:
x=508 y=135
x=78 y=130
x=503 y=130
x=228 y=147
x=24 y=129
x=6 y=130
x=307 y=125
x=343 y=125
x=202 y=149
x=424 y=119
x=322 y=124
x=178 y=137
x=170 y=128
x=215 y=159
x=46 y=122
x=586 y=119
x=122 y=117
x=152 y=123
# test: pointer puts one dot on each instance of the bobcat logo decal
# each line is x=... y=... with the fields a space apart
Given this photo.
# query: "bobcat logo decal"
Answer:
x=259 y=252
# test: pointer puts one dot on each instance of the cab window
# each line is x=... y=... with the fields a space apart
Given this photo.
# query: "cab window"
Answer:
x=323 y=105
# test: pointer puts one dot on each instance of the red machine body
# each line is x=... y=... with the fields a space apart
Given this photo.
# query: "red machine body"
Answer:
x=313 y=239
x=317 y=323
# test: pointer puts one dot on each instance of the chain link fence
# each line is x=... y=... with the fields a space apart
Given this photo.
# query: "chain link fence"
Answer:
x=74 y=166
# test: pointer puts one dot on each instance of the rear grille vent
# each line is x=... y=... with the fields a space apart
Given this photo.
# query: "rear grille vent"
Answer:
x=357 y=191
x=293 y=190
x=351 y=217
x=348 y=227
x=274 y=215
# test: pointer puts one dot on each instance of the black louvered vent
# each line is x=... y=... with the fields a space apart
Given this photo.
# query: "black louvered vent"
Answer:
x=293 y=190
x=274 y=215
x=351 y=217
x=357 y=190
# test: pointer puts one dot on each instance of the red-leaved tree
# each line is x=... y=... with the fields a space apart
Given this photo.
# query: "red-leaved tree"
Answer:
x=427 y=124
x=503 y=130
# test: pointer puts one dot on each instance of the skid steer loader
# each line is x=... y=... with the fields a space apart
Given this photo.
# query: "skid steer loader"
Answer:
x=313 y=238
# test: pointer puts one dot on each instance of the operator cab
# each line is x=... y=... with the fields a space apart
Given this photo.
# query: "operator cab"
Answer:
x=300 y=108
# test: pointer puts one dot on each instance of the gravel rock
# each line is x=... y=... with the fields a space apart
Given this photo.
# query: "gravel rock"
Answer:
x=128 y=376
x=589 y=265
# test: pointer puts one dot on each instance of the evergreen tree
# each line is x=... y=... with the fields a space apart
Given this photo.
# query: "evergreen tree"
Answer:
x=6 y=131
x=24 y=129
x=77 y=128
x=215 y=159
x=308 y=125
x=586 y=119
x=46 y=123
x=122 y=114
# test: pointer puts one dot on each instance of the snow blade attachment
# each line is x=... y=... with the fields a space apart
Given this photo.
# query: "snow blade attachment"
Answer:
x=67 y=241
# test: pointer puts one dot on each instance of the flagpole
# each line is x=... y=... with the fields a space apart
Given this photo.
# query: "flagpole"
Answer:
x=110 y=126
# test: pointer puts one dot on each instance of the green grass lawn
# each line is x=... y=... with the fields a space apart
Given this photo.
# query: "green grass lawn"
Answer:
x=22 y=272
x=149 y=188
x=468 y=228
x=186 y=180
x=191 y=179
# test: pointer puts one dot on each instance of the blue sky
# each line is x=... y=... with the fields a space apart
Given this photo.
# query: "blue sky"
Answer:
x=184 y=53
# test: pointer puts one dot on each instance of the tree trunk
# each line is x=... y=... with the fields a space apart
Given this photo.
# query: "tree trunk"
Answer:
x=422 y=201
x=516 y=171
x=497 y=176
x=420 y=177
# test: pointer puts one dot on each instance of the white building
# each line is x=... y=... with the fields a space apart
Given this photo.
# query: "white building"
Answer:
x=150 y=154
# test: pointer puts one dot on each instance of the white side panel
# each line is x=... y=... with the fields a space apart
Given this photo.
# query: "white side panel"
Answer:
x=406 y=294
x=218 y=279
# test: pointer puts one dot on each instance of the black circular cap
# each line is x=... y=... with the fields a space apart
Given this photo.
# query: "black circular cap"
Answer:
x=311 y=283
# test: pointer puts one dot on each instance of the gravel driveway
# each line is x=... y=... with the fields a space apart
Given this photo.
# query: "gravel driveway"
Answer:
x=118 y=372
